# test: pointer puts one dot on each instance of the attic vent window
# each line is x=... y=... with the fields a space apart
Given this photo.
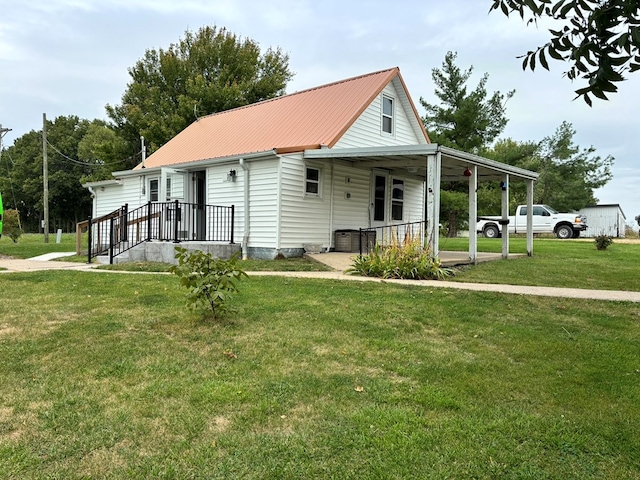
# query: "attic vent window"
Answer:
x=387 y=114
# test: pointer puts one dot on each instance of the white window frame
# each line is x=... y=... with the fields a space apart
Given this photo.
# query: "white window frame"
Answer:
x=384 y=116
x=397 y=201
x=308 y=182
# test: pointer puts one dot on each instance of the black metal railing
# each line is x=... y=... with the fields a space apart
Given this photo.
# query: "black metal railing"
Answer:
x=175 y=221
x=399 y=234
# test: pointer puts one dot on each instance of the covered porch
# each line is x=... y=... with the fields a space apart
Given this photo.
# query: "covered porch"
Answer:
x=436 y=164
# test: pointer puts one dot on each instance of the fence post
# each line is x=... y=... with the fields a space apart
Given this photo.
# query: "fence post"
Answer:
x=149 y=221
x=233 y=216
x=175 y=222
x=89 y=239
x=111 y=241
x=125 y=223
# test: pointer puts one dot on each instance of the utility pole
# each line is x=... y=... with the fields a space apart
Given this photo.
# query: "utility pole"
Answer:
x=45 y=177
x=3 y=132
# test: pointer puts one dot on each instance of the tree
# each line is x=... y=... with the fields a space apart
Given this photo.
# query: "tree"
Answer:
x=466 y=121
x=102 y=147
x=600 y=39
x=69 y=202
x=204 y=73
x=568 y=174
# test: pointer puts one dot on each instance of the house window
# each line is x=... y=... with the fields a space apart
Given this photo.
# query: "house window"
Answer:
x=397 y=198
x=312 y=182
x=153 y=189
x=387 y=114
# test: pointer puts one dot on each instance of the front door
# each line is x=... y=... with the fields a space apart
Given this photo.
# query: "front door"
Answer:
x=379 y=192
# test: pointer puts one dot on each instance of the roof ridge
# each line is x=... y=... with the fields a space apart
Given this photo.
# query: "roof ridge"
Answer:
x=306 y=90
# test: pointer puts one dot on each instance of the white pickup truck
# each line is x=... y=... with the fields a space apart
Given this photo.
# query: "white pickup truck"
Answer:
x=545 y=220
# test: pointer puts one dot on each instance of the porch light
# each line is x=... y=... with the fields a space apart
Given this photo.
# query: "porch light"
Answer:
x=231 y=176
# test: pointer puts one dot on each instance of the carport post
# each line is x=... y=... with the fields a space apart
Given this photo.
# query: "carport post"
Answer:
x=473 y=215
x=505 y=216
x=432 y=225
x=529 y=217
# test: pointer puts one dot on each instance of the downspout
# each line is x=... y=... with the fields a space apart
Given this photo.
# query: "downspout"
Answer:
x=245 y=237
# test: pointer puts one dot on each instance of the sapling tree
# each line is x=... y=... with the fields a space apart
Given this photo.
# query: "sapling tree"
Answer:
x=209 y=281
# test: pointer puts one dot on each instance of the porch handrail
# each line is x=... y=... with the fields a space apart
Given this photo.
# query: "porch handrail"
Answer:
x=175 y=221
x=391 y=234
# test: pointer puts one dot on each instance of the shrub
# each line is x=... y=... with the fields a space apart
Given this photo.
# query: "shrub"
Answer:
x=209 y=281
x=407 y=260
x=11 y=225
x=602 y=241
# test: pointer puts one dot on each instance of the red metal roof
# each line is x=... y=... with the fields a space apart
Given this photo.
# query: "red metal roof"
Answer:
x=290 y=123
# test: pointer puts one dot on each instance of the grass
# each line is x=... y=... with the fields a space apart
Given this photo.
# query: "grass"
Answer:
x=107 y=376
x=32 y=244
x=555 y=263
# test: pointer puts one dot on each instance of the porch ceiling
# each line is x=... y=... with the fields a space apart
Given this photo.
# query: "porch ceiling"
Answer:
x=413 y=158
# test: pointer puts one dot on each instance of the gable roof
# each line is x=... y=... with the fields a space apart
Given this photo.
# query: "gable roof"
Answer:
x=296 y=122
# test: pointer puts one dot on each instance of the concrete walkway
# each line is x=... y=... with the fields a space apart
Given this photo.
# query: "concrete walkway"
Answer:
x=39 y=263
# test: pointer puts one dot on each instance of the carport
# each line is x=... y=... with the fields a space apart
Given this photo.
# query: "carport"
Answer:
x=436 y=163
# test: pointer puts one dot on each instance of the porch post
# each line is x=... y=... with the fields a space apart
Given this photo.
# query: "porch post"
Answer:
x=473 y=214
x=529 y=217
x=505 y=216
x=432 y=220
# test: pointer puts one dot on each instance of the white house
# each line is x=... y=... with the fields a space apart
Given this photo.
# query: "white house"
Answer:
x=605 y=220
x=298 y=168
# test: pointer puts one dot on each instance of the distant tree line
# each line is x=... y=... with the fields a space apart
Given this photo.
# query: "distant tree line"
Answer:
x=206 y=72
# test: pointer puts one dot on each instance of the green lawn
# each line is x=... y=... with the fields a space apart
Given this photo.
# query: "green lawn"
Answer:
x=555 y=263
x=108 y=376
x=32 y=244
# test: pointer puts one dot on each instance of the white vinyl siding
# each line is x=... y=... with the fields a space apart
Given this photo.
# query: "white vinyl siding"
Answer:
x=366 y=131
x=413 y=205
x=220 y=191
x=303 y=218
x=263 y=201
x=351 y=194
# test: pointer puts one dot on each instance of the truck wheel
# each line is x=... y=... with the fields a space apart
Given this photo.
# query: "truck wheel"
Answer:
x=564 y=231
x=491 y=231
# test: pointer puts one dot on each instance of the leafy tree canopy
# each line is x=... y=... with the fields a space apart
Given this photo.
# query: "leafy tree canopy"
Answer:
x=464 y=120
x=205 y=72
x=569 y=174
x=600 y=39
x=22 y=180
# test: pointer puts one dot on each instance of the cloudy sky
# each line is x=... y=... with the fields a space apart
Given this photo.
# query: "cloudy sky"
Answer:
x=70 y=57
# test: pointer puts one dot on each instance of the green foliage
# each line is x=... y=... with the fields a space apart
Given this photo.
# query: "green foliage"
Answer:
x=209 y=281
x=569 y=174
x=602 y=241
x=101 y=146
x=468 y=121
x=464 y=120
x=205 y=72
x=69 y=202
x=407 y=260
x=600 y=40
x=11 y=227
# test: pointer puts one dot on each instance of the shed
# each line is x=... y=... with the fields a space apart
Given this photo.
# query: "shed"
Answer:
x=604 y=219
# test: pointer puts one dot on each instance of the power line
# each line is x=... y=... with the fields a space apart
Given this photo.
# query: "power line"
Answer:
x=86 y=164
